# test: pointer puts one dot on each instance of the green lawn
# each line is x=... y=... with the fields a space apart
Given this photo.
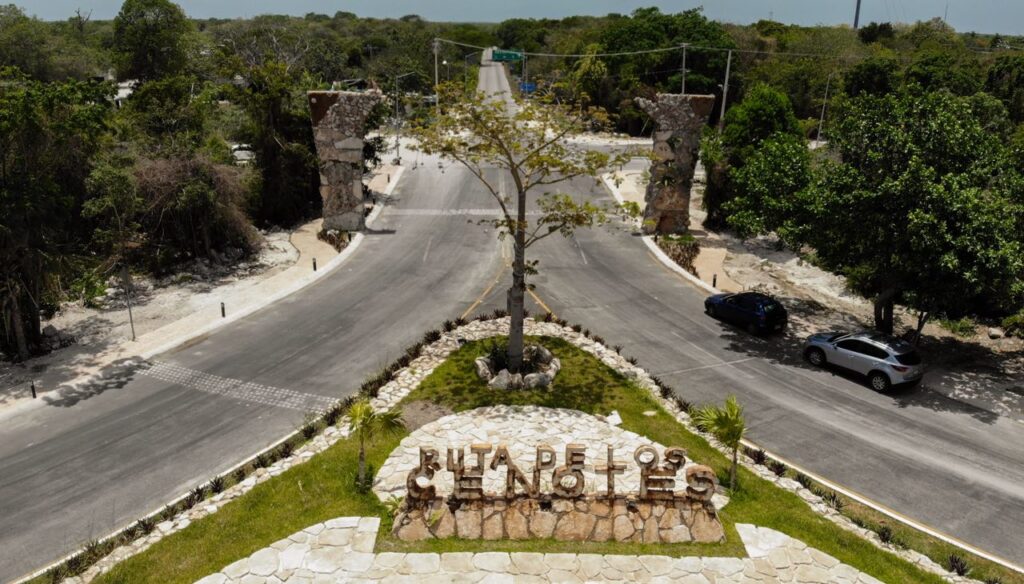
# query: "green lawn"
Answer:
x=323 y=488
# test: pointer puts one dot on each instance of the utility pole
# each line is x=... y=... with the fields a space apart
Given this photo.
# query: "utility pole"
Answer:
x=437 y=79
x=856 y=17
x=725 y=93
x=682 y=89
x=821 y=122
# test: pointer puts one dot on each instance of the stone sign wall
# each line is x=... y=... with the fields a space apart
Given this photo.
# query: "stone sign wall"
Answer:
x=678 y=122
x=339 y=118
x=592 y=518
x=659 y=512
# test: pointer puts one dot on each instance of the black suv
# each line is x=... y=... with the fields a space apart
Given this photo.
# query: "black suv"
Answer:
x=757 y=312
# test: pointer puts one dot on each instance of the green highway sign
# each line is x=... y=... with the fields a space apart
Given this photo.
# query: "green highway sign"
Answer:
x=506 y=56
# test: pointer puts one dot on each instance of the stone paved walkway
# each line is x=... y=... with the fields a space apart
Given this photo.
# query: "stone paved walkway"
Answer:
x=341 y=550
x=521 y=428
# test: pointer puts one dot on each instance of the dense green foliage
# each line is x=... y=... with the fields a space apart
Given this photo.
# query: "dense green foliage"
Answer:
x=164 y=187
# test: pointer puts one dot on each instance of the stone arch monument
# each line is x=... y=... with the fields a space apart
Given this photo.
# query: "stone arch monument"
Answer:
x=339 y=119
x=678 y=122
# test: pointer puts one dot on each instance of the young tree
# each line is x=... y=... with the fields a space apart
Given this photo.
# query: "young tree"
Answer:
x=366 y=423
x=727 y=425
x=529 y=144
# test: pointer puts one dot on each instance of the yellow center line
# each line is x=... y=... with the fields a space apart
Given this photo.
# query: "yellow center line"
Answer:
x=539 y=301
x=486 y=292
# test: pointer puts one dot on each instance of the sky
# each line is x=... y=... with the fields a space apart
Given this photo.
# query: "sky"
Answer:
x=986 y=16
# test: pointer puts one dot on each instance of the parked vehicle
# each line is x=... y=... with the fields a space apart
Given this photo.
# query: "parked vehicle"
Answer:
x=885 y=360
x=757 y=312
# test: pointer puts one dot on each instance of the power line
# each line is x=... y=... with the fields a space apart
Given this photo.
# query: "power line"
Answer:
x=665 y=50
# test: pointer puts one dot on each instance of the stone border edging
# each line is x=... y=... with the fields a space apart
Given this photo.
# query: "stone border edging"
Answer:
x=913 y=524
x=405 y=380
x=299 y=284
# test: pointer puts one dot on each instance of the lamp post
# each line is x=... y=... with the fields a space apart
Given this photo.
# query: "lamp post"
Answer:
x=398 y=122
x=468 y=55
x=448 y=65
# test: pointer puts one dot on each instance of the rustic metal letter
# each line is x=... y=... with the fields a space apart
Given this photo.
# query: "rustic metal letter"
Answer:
x=701 y=482
x=610 y=470
x=575 y=458
x=428 y=465
x=545 y=460
x=512 y=474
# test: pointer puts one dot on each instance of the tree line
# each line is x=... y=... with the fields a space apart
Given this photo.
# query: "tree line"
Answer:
x=88 y=189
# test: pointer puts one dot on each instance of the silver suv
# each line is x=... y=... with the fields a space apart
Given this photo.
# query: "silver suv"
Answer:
x=884 y=359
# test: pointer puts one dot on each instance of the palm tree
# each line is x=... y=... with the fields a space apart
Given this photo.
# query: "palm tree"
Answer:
x=366 y=423
x=726 y=424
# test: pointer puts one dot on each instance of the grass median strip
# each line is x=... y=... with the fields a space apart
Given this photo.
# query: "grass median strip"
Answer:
x=324 y=487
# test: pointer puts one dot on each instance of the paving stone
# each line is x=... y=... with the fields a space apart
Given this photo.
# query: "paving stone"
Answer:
x=492 y=561
x=264 y=562
x=529 y=562
x=420 y=564
x=457 y=562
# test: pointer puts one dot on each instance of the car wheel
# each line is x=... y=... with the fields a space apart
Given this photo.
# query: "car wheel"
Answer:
x=816 y=357
x=879 y=381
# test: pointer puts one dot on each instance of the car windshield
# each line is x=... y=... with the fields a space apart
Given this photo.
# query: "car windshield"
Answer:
x=770 y=306
x=911 y=358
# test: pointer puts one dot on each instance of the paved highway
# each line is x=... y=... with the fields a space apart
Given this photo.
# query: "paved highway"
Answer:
x=949 y=465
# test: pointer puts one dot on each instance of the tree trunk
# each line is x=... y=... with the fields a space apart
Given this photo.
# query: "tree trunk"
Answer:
x=19 y=325
x=517 y=293
x=922 y=319
x=884 y=310
x=732 y=470
x=362 y=462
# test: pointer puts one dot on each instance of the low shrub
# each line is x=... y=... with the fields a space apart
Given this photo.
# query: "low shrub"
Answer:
x=632 y=360
x=958 y=565
x=217 y=484
x=309 y=429
x=586 y=332
x=805 y=481
x=963 y=327
x=598 y=339
x=778 y=467
x=499 y=313
x=576 y=328
x=285 y=449
x=548 y=317
x=756 y=454
x=460 y=322
x=833 y=500
x=431 y=337
x=1013 y=325
x=195 y=496
x=145 y=525
x=239 y=475
x=684 y=405
x=885 y=534
x=617 y=349
x=448 y=326
x=168 y=512
x=263 y=460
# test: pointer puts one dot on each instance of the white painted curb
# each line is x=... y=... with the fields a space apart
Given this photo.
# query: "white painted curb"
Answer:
x=653 y=247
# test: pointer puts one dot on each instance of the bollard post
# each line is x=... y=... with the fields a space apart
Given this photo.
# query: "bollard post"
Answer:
x=314 y=264
x=33 y=390
x=389 y=178
x=222 y=312
x=714 y=281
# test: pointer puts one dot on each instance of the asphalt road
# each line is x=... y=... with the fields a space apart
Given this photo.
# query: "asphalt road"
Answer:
x=81 y=466
x=85 y=465
x=941 y=462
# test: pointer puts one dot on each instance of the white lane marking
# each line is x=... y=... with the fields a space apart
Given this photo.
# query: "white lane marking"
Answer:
x=426 y=252
x=713 y=365
x=716 y=358
x=236 y=388
x=580 y=248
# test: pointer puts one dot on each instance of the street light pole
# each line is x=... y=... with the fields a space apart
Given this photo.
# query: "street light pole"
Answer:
x=682 y=89
x=821 y=122
x=725 y=93
x=398 y=121
x=437 y=80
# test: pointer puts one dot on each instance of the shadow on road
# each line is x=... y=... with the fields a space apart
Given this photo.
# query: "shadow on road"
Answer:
x=787 y=349
x=119 y=374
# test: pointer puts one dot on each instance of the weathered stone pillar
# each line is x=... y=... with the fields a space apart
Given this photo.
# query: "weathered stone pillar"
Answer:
x=678 y=122
x=339 y=118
